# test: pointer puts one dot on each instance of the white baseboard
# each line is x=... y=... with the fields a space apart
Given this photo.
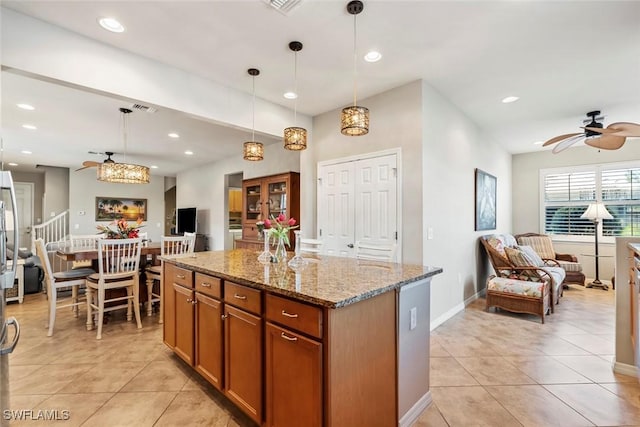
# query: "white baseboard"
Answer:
x=625 y=369
x=455 y=310
x=416 y=410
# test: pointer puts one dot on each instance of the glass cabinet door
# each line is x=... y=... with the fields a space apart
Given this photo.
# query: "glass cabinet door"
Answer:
x=277 y=202
x=253 y=202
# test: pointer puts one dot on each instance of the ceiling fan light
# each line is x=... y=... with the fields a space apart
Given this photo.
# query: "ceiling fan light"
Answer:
x=122 y=173
x=295 y=138
x=253 y=151
x=354 y=121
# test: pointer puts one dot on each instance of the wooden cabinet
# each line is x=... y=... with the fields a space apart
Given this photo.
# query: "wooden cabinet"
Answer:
x=177 y=284
x=235 y=200
x=243 y=360
x=269 y=196
x=293 y=363
x=208 y=339
x=184 y=316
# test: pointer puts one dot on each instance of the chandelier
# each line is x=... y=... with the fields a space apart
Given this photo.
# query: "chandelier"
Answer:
x=253 y=150
x=295 y=138
x=123 y=173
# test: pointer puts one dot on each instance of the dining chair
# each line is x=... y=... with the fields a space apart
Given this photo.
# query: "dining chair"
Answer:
x=73 y=278
x=80 y=242
x=169 y=245
x=376 y=252
x=118 y=261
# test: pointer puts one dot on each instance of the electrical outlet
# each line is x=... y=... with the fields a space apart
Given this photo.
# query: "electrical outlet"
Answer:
x=414 y=318
x=81 y=213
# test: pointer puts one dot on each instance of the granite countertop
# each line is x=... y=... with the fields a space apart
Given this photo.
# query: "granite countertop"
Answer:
x=635 y=247
x=328 y=281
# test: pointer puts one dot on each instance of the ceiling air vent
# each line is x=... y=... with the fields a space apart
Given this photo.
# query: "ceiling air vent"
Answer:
x=144 y=108
x=283 y=6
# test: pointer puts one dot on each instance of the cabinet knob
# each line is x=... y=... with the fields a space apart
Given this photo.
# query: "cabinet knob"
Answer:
x=189 y=300
x=284 y=313
x=287 y=337
x=224 y=316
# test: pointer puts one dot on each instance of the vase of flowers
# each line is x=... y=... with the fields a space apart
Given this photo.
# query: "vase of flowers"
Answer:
x=279 y=228
x=121 y=229
x=260 y=227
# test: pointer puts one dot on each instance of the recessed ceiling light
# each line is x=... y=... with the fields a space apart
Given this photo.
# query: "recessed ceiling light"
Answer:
x=26 y=107
x=173 y=135
x=510 y=99
x=188 y=153
x=26 y=152
x=111 y=24
x=30 y=127
x=13 y=164
x=373 y=56
x=154 y=167
x=538 y=143
x=290 y=95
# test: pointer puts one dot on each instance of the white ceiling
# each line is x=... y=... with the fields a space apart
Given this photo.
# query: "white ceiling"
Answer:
x=562 y=58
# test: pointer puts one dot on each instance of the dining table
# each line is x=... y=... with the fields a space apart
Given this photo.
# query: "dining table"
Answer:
x=68 y=254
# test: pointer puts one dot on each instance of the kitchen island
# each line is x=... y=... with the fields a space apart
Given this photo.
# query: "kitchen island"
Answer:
x=344 y=342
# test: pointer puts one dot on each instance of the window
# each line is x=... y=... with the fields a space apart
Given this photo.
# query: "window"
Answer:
x=567 y=192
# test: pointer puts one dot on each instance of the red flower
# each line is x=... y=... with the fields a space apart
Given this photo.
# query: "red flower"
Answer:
x=281 y=218
x=292 y=222
x=267 y=223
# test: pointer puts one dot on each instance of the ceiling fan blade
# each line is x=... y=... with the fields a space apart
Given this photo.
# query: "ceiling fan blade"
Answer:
x=567 y=143
x=625 y=129
x=88 y=164
x=560 y=138
x=606 y=142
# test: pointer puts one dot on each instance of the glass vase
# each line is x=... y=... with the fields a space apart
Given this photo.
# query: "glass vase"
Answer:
x=297 y=263
x=280 y=256
x=265 y=256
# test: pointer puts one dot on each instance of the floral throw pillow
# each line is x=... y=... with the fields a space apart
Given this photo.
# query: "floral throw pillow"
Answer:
x=496 y=244
x=520 y=259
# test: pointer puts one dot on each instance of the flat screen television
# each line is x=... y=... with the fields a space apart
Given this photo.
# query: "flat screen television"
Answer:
x=186 y=220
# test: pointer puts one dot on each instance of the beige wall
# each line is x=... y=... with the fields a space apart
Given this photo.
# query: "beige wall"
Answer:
x=84 y=188
x=56 y=191
x=526 y=196
x=206 y=187
x=452 y=147
x=38 y=190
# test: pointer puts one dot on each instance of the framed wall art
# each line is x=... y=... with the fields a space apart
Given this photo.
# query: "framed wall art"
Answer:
x=110 y=208
x=485 y=191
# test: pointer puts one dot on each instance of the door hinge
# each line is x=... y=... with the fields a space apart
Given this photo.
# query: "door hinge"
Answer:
x=396 y=235
x=321 y=232
x=395 y=172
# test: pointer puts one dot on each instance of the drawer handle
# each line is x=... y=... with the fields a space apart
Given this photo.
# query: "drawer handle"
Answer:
x=180 y=276
x=240 y=296
x=284 y=313
x=287 y=337
x=205 y=284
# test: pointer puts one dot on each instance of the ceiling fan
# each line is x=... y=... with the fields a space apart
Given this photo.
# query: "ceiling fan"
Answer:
x=91 y=164
x=596 y=135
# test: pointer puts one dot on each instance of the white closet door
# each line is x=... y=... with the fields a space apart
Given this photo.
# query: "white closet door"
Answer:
x=336 y=208
x=376 y=200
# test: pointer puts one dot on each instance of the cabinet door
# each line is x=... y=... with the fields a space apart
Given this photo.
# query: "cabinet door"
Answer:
x=276 y=200
x=169 y=321
x=243 y=361
x=252 y=200
x=184 y=309
x=293 y=379
x=208 y=357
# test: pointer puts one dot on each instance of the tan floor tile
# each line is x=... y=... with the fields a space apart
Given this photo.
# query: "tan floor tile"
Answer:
x=533 y=405
x=446 y=371
x=159 y=376
x=547 y=370
x=436 y=350
x=96 y=379
x=431 y=417
x=79 y=407
x=48 y=379
x=494 y=371
x=592 y=343
x=193 y=408
x=21 y=371
x=597 y=404
x=466 y=406
x=466 y=346
x=628 y=391
x=132 y=409
x=26 y=401
x=594 y=368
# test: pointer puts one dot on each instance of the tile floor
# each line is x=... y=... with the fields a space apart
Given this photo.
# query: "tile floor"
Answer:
x=495 y=369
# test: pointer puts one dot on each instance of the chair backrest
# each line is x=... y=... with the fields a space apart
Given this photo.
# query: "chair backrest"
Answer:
x=376 y=252
x=41 y=252
x=311 y=246
x=494 y=244
x=119 y=256
x=541 y=243
x=84 y=241
x=177 y=245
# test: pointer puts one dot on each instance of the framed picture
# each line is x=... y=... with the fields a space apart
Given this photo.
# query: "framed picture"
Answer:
x=110 y=208
x=485 y=201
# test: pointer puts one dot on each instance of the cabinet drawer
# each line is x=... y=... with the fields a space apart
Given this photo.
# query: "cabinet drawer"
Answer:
x=180 y=276
x=242 y=297
x=208 y=285
x=295 y=315
x=250 y=232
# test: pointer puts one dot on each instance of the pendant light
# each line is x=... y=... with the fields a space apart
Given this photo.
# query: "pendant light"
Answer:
x=253 y=150
x=295 y=138
x=354 y=120
x=123 y=173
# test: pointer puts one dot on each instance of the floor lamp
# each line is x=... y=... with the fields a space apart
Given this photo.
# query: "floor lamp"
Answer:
x=595 y=212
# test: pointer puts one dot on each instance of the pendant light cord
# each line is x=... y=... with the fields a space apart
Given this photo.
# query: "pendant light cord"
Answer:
x=295 y=87
x=355 y=62
x=124 y=135
x=253 y=119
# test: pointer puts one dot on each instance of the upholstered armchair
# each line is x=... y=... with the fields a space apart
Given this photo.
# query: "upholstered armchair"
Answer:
x=520 y=285
x=543 y=245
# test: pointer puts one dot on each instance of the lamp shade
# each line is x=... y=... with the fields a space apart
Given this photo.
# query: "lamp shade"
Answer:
x=123 y=173
x=295 y=138
x=354 y=121
x=596 y=211
x=253 y=151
